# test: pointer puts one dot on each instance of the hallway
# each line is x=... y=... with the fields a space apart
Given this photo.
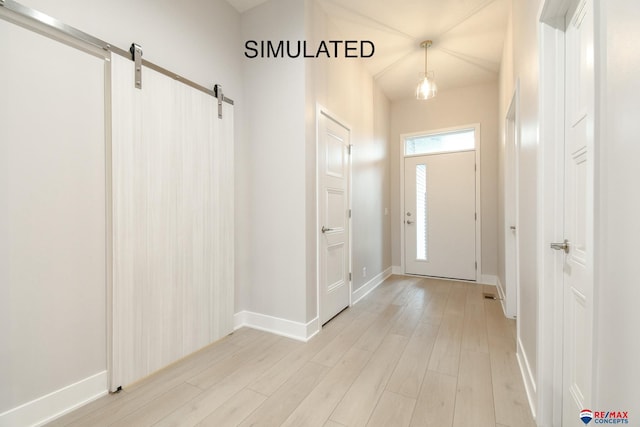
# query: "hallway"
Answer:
x=414 y=352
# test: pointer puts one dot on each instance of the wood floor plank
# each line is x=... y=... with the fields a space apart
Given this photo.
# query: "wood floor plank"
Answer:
x=244 y=336
x=434 y=341
x=86 y=410
x=497 y=324
x=234 y=410
x=445 y=356
x=226 y=367
x=283 y=402
x=422 y=295
x=408 y=293
x=510 y=398
x=436 y=402
x=359 y=402
x=316 y=408
x=211 y=399
x=392 y=410
x=474 y=330
x=388 y=293
x=375 y=333
x=409 y=373
x=457 y=300
x=280 y=372
x=475 y=294
x=434 y=311
x=406 y=322
x=185 y=368
x=330 y=423
x=474 y=394
x=146 y=390
x=159 y=408
x=336 y=349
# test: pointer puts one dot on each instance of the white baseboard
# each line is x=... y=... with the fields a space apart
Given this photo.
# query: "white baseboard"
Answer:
x=275 y=325
x=46 y=408
x=397 y=269
x=488 y=279
x=364 y=290
x=527 y=377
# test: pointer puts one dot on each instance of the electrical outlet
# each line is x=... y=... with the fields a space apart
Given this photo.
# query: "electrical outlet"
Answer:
x=364 y=271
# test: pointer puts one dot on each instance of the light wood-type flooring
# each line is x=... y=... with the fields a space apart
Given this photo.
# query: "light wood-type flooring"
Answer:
x=414 y=352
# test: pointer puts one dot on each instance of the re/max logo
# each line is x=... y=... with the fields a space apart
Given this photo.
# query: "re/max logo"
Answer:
x=612 y=414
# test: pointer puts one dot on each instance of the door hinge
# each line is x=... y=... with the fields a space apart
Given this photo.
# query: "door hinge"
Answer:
x=475 y=167
x=475 y=216
x=350 y=147
x=349 y=213
x=476 y=265
x=349 y=276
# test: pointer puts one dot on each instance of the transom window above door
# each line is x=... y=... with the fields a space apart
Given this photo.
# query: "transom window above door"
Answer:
x=444 y=142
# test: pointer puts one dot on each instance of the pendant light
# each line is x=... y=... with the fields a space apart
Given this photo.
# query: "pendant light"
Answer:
x=427 y=87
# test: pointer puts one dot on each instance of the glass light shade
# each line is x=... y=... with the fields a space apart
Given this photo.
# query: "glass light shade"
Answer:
x=427 y=87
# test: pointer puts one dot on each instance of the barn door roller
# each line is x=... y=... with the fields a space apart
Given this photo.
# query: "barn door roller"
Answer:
x=136 y=56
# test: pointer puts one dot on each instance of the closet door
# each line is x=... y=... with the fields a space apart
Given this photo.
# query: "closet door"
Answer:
x=172 y=222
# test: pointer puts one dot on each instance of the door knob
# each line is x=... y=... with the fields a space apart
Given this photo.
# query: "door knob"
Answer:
x=564 y=246
x=324 y=230
x=410 y=222
x=513 y=228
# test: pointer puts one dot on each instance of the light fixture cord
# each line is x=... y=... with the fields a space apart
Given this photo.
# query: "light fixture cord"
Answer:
x=425 y=59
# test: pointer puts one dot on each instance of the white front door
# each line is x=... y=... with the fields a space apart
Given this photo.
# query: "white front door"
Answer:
x=333 y=180
x=578 y=217
x=440 y=215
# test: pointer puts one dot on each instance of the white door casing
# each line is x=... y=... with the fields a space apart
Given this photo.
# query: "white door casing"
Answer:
x=440 y=215
x=578 y=214
x=510 y=213
x=334 y=171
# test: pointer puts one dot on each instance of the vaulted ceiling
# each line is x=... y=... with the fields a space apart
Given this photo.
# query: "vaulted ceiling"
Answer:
x=467 y=36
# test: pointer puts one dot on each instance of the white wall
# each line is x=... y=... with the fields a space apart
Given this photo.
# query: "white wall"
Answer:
x=521 y=65
x=617 y=349
x=348 y=91
x=198 y=39
x=281 y=95
x=454 y=107
x=505 y=90
x=275 y=265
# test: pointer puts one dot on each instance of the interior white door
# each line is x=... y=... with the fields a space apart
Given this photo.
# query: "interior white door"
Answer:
x=440 y=217
x=578 y=218
x=334 y=174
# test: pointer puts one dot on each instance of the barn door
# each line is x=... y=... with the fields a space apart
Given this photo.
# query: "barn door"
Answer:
x=172 y=221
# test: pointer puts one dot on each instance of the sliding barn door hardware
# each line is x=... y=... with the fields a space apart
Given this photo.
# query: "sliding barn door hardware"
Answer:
x=136 y=56
x=217 y=91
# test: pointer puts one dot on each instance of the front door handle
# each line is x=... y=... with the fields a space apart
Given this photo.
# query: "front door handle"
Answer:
x=410 y=222
x=324 y=230
x=564 y=246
